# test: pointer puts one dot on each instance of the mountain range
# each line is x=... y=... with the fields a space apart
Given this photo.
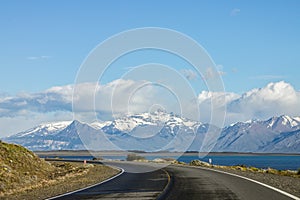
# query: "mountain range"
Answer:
x=161 y=131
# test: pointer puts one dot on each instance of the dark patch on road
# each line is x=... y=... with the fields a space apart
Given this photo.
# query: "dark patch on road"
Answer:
x=184 y=183
x=127 y=186
x=189 y=185
x=197 y=183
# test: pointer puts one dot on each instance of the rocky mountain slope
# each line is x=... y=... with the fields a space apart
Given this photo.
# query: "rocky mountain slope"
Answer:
x=162 y=131
x=275 y=135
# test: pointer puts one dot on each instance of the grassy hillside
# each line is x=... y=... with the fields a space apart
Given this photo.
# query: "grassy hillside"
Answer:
x=20 y=167
x=23 y=175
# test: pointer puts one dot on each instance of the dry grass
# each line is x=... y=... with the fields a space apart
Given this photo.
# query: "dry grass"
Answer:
x=133 y=157
x=245 y=168
x=257 y=170
x=23 y=175
x=66 y=183
x=285 y=180
x=20 y=167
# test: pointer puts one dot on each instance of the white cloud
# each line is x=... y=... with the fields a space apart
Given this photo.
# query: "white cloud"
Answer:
x=274 y=99
x=38 y=57
x=32 y=58
x=260 y=103
x=27 y=119
x=116 y=98
x=127 y=96
x=212 y=73
x=220 y=70
x=218 y=99
x=60 y=98
x=189 y=74
x=221 y=97
x=235 y=12
x=234 y=70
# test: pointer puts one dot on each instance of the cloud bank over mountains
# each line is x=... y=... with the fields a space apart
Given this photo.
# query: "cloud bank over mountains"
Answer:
x=119 y=97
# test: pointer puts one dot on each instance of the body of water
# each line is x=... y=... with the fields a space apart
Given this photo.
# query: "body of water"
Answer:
x=280 y=162
x=283 y=162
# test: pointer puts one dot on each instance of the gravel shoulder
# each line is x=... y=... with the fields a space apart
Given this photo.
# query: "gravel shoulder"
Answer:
x=81 y=176
x=286 y=183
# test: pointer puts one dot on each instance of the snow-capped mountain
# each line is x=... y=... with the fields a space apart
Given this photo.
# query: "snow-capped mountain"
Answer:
x=147 y=131
x=158 y=119
x=160 y=131
x=40 y=137
x=45 y=129
x=284 y=123
x=260 y=136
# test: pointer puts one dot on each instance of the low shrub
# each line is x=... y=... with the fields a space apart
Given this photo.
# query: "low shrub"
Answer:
x=272 y=171
x=97 y=158
x=132 y=157
x=199 y=163
x=254 y=169
x=169 y=159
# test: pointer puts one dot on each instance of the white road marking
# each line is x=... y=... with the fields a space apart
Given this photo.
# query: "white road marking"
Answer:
x=119 y=174
x=257 y=182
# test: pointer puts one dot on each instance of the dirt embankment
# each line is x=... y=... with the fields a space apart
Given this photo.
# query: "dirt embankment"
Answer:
x=23 y=175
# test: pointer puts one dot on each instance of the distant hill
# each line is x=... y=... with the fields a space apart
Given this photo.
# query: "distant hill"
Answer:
x=20 y=167
x=275 y=135
x=162 y=131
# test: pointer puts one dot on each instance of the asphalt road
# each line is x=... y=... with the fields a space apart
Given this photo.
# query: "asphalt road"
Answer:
x=175 y=182
x=192 y=183
x=139 y=186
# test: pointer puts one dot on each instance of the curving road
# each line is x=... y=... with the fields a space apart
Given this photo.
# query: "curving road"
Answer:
x=140 y=186
x=175 y=182
x=197 y=183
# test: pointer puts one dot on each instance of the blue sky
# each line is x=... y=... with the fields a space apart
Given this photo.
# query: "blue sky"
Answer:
x=43 y=43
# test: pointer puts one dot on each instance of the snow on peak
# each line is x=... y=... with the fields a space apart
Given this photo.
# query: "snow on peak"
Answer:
x=284 y=120
x=289 y=120
x=251 y=121
x=129 y=122
x=297 y=119
x=46 y=128
x=245 y=123
x=158 y=117
x=272 y=122
x=56 y=125
x=99 y=125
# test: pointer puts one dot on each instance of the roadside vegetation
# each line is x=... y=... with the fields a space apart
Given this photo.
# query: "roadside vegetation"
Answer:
x=20 y=167
x=245 y=168
x=23 y=175
x=286 y=180
x=133 y=157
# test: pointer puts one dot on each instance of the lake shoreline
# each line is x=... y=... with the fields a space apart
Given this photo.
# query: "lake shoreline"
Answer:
x=258 y=160
x=122 y=153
